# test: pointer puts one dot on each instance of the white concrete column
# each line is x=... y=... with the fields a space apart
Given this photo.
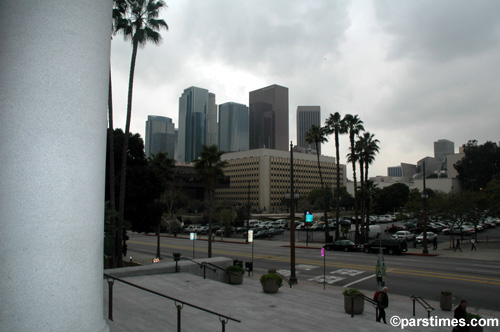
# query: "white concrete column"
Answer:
x=54 y=67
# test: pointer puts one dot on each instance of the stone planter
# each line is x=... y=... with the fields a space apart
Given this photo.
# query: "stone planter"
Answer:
x=270 y=286
x=236 y=278
x=446 y=302
x=354 y=305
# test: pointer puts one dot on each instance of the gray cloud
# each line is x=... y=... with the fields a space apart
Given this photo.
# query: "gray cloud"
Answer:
x=414 y=71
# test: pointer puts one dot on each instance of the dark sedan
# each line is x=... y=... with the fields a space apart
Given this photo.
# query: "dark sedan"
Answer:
x=345 y=245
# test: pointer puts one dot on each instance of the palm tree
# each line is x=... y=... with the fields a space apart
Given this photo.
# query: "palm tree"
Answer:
x=370 y=149
x=209 y=169
x=335 y=125
x=354 y=126
x=139 y=23
x=366 y=148
x=317 y=135
x=163 y=167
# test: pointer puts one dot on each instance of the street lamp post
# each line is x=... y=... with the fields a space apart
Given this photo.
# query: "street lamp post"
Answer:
x=424 y=197
x=293 y=277
x=248 y=210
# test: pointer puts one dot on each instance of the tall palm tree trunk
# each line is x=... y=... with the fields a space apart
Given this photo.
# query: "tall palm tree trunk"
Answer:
x=111 y=165
x=362 y=208
x=123 y=175
x=337 y=208
x=211 y=194
x=325 y=207
x=355 y=190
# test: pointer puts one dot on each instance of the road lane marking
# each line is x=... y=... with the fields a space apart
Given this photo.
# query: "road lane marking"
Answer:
x=351 y=273
x=440 y=275
x=329 y=279
x=359 y=280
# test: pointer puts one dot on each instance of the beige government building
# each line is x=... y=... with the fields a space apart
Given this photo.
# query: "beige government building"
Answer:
x=265 y=174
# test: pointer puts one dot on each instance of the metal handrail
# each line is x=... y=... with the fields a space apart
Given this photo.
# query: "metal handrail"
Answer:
x=224 y=319
x=367 y=299
x=202 y=265
x=423 y=303
x=220 y=268
x=285 y=278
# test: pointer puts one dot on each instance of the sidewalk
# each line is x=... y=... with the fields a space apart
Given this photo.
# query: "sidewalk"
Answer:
x=305 y=307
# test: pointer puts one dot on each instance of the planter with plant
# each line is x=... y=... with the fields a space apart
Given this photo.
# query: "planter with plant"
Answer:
x=354 y=303
x=471 y=316
x=446 y=300
x=271 y=282
x=235 y=274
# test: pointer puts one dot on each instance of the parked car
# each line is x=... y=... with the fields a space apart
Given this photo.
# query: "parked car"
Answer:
x=345 y=245
x=403 y=235
x=457 y=230
x=430 y=237
x=395 y=228
x=390 y=246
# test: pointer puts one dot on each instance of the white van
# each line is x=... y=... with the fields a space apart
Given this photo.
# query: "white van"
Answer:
x=254 y=222
x=374 y=232
x=280 y=223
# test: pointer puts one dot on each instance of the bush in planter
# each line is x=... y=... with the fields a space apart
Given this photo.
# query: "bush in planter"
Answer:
x=471 y=316
x=353 y=301
x=235 y=273
x=446 y=300
x=271 y=282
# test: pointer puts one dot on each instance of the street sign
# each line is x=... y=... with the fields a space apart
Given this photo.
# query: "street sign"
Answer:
x=250 y=236
x=322 y=252
x=192 y=236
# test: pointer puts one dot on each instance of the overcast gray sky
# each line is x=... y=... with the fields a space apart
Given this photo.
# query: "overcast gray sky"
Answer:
x=414 y=71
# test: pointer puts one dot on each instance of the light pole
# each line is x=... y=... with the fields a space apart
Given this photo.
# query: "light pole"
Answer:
x=248 y=210
x=424 y=197
x=293 y=277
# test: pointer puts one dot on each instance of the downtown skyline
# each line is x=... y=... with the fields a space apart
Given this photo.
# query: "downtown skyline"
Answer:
x=414 y=72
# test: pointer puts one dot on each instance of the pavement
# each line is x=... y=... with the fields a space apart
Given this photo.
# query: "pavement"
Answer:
x=304 y=307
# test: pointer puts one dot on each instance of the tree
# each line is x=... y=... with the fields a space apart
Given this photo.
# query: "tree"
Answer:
x=366 y=148
x=354 y=126
x=163 y=167
x=317 y=135
x=335 y=125
x=391 y=198
x=209 y=169
x=138 y=21
x=480 y=165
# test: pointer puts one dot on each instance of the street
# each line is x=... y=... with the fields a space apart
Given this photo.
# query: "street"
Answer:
x=470 y=279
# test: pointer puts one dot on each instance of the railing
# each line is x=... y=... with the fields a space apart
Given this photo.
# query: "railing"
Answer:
x=220 y=268
x=202 y=265
x=224 y=319
x=286 y=279
x=423 y=303
x=374 y=303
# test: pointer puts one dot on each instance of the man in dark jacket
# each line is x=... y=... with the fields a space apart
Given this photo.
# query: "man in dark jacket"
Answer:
x=461 y=314
x=382 y=302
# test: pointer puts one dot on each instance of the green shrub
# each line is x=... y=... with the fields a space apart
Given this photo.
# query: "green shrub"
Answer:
x=269 y=276
x=471 y=316
x=352 y=292
x=447 y=292
x=235 y=269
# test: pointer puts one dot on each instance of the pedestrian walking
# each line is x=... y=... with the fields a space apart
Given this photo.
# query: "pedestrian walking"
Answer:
x=435 y=243
x=382 y=303
x=460 y=314
x=458 y=246
x=473 y=244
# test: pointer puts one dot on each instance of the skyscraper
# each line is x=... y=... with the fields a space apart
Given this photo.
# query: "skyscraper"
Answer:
x=197 y=123
x=306 y=117
x=268 y=118
x=443 y=147
x=233 y=127
x=160 y=136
